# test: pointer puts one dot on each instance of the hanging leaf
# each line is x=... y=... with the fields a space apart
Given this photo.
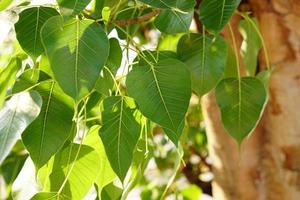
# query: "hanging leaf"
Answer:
x=251 y=45
x=242 y=102
x=161 y=3
x=106 y=173
x=120 y=132
x=78 y=165
x=15 y=116
x=231 y=65
x=27 y=79
x=215 y=14
x=177 y=19
x=81 y=47
x=205 y=57
x=72 y=7
x=52 y=127
x=8 y=77
x=162 y=90
x=29 y=26
x=48 y=196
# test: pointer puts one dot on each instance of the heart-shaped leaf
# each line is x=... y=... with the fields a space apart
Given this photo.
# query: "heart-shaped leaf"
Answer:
x=29 y=26
x=205 y=57
x=77 y=51
x=162 y=90
x=15 y=116
x=215 y=14
x=120 y=132
x=47 y=134
x=242 y=102
x=72 y=7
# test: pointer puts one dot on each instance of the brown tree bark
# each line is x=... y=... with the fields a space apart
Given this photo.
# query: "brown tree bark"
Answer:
x=268 y=165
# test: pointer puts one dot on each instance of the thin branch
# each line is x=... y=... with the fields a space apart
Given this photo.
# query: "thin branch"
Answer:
x=138 y=19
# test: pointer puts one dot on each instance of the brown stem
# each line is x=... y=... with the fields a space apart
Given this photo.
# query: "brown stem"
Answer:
x=196 y=17
x=138 y=19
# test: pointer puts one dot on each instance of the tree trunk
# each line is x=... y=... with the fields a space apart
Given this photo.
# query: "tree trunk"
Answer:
x=268 y=165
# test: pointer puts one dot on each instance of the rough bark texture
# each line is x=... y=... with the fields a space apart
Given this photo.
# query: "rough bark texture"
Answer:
x=268 y=165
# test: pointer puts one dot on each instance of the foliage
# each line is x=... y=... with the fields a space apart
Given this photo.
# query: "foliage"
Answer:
x=92 y=118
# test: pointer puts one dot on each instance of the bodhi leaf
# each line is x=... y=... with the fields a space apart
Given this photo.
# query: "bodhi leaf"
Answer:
x=242 y=102
x=76 y=164
x=81 y=47
x=72 y=7
x=177 y=19
x=8 y=77
x=29 y=26
x=251 y=44
x=52 y=127
x=48 y=196
x=4 y=4
x=106 y=173
x=15 y=116
x=215 y=14
x=205 y=57
x=162 y=90
x=120 y=132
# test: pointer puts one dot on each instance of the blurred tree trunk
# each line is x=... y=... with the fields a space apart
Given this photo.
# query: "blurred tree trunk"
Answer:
x=268 y=166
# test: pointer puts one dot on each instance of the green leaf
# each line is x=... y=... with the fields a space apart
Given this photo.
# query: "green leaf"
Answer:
x=47 y=196
x=120 y=132
x=162 y=90
x=215 y=14
x=27 y=79
x=52 y=127
x=242 y=102
x=4 y=4
x=205 y=57
x=231 y=65
x=177 y=19
x=15 y=116
x=29 y=26
x=78 y=165
x=192 y=192
x=161 y=3
x=106 y=173
x=250 y=46
x=81 y=47
x=8 y=77
x=105 y=82
x=72 y=7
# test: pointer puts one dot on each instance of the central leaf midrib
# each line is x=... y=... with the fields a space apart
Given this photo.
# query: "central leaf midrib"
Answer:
x=119 y=135
x=222 y=13
x=36 y=30
x=76 y=57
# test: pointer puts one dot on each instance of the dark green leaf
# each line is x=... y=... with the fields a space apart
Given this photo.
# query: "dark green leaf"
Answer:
x=120 y=132
x=215 y=14
x=81 y=47
x=205 y=57
x=162 y=90
x=29 y=26
x=47 y=134
x=8 y=77
x=242 y=102
x=15 y=116
x=72 y=7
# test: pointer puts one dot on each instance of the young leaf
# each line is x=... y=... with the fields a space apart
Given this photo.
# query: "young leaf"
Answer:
x=177 y=19
x=29 y=26
x=215 y=14
x=4 y=4
x=120 y=132
x=76 y=164
x=106 y=173
x=72 y=7
x=81 y=47
x=8 y=77
x=250 y=46
x=52 y=127
x=162 y=90
x=205 y=57
x=242 y=102
x=48 y=196
x=15 y=116
x=27 y=79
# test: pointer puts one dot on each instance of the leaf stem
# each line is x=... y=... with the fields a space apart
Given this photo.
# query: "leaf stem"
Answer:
x=235 y=50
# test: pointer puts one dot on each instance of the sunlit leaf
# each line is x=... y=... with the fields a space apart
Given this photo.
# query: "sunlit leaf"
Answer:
x=47 y=134
x=242 y=102
x=72 y=7
x=81 y=47
x=120 y=132
x=15 y=116
x=162 y=90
